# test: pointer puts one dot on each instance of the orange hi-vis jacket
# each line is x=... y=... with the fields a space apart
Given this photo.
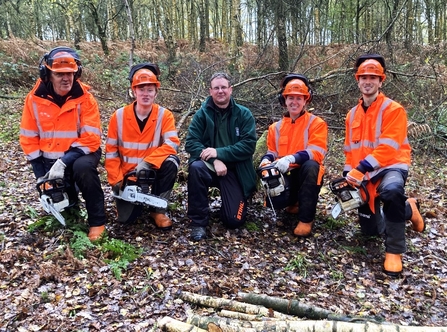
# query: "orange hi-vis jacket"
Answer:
x=307 y=133
x=126 y=145
x=49 y=130
x=378 y=136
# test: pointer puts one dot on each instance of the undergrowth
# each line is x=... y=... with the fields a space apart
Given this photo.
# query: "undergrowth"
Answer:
x=116 y=253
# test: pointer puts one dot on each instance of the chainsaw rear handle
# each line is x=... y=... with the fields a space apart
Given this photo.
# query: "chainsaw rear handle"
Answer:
x=145 y=176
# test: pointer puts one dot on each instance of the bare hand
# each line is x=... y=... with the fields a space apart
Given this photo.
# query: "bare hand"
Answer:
x=220 y=167
x=208 y=153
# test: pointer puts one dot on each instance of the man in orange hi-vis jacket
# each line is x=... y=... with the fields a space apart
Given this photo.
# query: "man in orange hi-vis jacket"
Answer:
x=60 y=132
x=378 y=154
x=143 y=136
x=297 y=144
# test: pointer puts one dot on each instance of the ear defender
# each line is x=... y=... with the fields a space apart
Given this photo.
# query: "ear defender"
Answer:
x=287 y=79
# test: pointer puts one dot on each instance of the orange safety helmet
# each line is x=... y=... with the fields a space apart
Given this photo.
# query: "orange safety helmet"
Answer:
x=62 y=62
x=145 y=76
x=370 y=67
x=296 y=87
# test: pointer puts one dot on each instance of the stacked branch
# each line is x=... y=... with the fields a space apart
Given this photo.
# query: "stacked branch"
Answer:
x=265 y=313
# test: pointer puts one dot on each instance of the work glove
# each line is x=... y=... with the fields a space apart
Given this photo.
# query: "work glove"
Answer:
x=116 y=188
x=57 y=170
x=354 y=177
x=142 y=165
x=264 y=162
x=283 y=163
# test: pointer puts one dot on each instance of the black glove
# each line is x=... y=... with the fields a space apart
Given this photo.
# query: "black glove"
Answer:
x=116 y=188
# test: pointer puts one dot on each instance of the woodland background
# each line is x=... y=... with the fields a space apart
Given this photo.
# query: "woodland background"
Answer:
x=51 y=280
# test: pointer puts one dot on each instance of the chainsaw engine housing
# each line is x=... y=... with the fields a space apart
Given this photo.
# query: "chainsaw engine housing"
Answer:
x=349 y=197
x=272 y=180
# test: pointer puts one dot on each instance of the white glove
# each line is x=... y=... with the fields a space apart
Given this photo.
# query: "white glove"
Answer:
x=57 y=170
x=283 y=163
x=142 y=165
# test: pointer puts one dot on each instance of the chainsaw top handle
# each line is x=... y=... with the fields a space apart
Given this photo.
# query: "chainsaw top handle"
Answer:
x=144 y=177
x=48 y=186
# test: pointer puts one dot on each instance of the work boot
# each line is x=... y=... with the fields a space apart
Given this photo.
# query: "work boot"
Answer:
x=198 y=233
x=303 y=229
x=292 y=209
x=392 y=265
x=96 y=232
x=416 y=218
x=162 y=221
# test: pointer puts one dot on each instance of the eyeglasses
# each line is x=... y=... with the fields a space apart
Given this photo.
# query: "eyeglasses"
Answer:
x=217 y=88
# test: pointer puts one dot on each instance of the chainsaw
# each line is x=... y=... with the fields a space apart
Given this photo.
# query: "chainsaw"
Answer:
x=53 y=197
x=348 y=197
x=273 y=182
x=135 y=189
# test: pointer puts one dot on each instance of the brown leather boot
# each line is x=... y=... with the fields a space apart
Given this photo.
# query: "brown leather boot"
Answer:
x=392 y=264
x=293 y=209
x=416 y=218
x=161 y=220
x=303 y=229
x=96 y=232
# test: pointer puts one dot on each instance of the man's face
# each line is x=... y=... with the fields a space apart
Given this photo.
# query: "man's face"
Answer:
x=62 y=82
x=295 y=104
x=220 y=91
x=369 y=85
x=145 y=94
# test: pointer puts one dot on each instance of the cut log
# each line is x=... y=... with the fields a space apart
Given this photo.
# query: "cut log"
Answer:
x=291 y=307
x=172 y=325
x=227 y=325
x=242 y=316
x=220 y=303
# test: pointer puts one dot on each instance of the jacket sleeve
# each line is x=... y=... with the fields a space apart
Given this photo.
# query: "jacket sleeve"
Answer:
x=347 y=145
x=89 y=139
x=113 y=160
x=392 y=136
x=170 y=141
x=317 y=144
x=197 y=136
x=29 y=133
x=245 y=144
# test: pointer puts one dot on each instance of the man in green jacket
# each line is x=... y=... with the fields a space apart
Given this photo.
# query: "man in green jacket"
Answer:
x=221 y=141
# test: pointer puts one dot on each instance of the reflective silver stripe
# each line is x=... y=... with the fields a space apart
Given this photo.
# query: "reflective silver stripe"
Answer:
x=90 y=129
x=36 y=116
x=59 y=134
x=378 y=171
x=111 y=155
x=53 y=155
x=119 y=125
x=111 y=141
x=131 y=160
x=277 y=128
x=367 y=143
x=173 y=160
x=29 y=133
x=390 y=142
x=33 y=155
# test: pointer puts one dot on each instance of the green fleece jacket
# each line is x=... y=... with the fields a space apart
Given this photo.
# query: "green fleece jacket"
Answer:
x=242 y=133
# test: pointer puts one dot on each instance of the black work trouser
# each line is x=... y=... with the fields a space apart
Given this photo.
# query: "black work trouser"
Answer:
x=162 y=186
x=83 y=176
x=233 y=211
x=304 y=184
x=389 y=219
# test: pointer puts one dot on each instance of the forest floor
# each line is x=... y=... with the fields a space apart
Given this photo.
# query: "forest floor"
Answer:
x=44 y=287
